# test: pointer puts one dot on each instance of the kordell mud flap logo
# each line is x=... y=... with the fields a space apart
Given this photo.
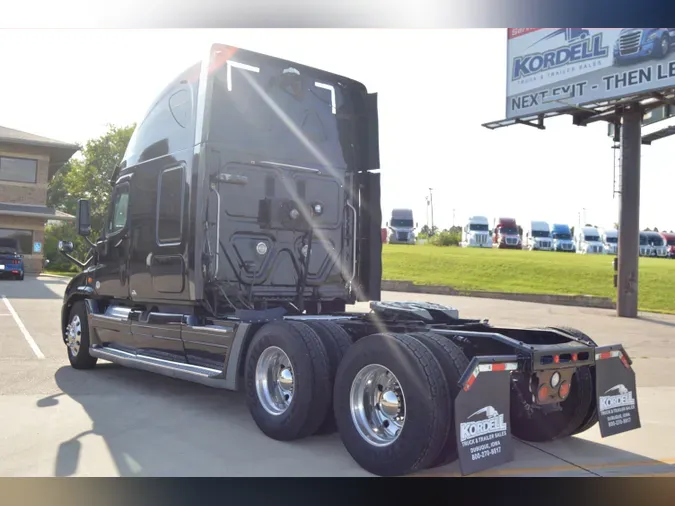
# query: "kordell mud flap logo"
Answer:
x=482 y=423
x=616 y=396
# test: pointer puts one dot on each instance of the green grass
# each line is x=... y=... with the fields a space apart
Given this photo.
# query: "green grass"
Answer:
x=527 y=272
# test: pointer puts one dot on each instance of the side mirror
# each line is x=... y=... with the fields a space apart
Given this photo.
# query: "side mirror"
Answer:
x=386 y=224
x=83 y=218
x=65 y=247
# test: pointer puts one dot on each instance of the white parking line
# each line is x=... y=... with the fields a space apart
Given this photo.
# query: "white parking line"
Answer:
x=29 y=339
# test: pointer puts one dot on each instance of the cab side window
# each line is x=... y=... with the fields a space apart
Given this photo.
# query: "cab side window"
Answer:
x=120 y=209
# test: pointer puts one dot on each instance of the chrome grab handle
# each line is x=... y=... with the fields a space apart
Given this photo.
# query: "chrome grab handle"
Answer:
x=354 y=245
x=213 y=189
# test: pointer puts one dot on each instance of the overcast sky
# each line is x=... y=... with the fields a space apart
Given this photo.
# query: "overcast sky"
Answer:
x=436 y=88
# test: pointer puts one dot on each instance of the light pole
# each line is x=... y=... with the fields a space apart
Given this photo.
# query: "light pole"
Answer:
x=431 y=203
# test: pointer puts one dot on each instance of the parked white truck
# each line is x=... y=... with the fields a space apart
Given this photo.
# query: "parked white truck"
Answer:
x=476 y=233
x=610 y=240
x=652 y=244
x=537 y=236
x=589 y=242
x=401 y=227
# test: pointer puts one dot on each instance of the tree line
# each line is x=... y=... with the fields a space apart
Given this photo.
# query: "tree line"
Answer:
x=86 y=175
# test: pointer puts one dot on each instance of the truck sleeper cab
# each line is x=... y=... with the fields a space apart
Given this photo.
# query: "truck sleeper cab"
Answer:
x=476 y=233
x=243 y=220
x=506 y=234
x=670 y=243
x=538 y=236
x=402 y=227
x=562 y=238
x=589 y=242
x=652 y=244
x=610 y=239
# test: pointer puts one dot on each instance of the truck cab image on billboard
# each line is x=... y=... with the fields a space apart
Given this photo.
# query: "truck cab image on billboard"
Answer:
x=402 y=227
x=610 y=240
x=589 y=241
x=476 y=233
x=506 y=234
x=244 y=223
x=670 y=243
x=562 y=238
x=635 y=44
x=537 y=236
x=11 y=259
x=652 y=244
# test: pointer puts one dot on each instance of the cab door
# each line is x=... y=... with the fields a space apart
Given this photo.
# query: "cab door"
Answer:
x=112 y=274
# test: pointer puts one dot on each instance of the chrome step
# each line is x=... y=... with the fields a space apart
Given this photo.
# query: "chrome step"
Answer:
x=193 y=373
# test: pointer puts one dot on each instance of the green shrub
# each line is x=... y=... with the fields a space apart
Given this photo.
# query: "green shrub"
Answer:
x=446 y=238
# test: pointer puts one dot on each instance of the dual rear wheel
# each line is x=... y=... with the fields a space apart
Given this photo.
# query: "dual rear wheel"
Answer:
x=390 y=396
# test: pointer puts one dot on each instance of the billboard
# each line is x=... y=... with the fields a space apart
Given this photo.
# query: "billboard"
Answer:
x=554 y=68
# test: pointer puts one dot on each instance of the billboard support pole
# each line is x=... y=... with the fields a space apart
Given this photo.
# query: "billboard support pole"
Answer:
x=629 y=213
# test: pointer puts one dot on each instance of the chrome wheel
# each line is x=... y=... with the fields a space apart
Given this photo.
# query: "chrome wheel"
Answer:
x=377 y=405
x=665 y=45
x=74 y=335
x=274 y=382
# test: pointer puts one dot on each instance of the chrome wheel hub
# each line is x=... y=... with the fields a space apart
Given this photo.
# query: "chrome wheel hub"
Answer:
x=274 y=381
x=377 y=405
x=74 y=335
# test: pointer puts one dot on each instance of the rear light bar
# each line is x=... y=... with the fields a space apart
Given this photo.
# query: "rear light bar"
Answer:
x=565 y=358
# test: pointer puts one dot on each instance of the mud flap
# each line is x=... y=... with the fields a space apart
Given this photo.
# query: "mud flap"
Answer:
x=616 y=391
x=482 y=414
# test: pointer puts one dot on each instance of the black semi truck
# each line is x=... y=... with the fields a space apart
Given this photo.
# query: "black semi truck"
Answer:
x=244 y=219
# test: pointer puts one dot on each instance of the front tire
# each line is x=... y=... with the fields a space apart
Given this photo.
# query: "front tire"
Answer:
x=664 y=47
x=287 y=380
x=391 y=404
x=77 y=338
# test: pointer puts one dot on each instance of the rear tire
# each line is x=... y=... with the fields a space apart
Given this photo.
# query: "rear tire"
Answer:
x=77 y=335
x=578 y=413
x=287 y=406
x=391 y=404
x=336 y=341
x=453 y=362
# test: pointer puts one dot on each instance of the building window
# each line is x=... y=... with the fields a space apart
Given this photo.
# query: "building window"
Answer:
x=24 y=238
x=19 y=170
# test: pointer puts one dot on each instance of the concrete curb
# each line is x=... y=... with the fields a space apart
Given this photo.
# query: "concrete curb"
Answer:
x=541 y=298
x=50 y=275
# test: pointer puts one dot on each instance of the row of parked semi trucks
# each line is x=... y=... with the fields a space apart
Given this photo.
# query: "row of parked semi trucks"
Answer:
x=537 y=235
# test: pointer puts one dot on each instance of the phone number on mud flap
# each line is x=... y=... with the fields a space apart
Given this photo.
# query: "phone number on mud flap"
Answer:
x=486 y=450
x=613 y=421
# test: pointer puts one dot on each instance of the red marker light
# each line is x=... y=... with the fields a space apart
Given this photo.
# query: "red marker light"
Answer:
x=556 y=359
x=574 y=357
x=498 y=367
x=564 y=389
x=543 y=393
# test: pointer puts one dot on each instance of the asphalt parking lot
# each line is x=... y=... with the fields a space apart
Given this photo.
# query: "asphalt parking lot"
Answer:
x=112 y=421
